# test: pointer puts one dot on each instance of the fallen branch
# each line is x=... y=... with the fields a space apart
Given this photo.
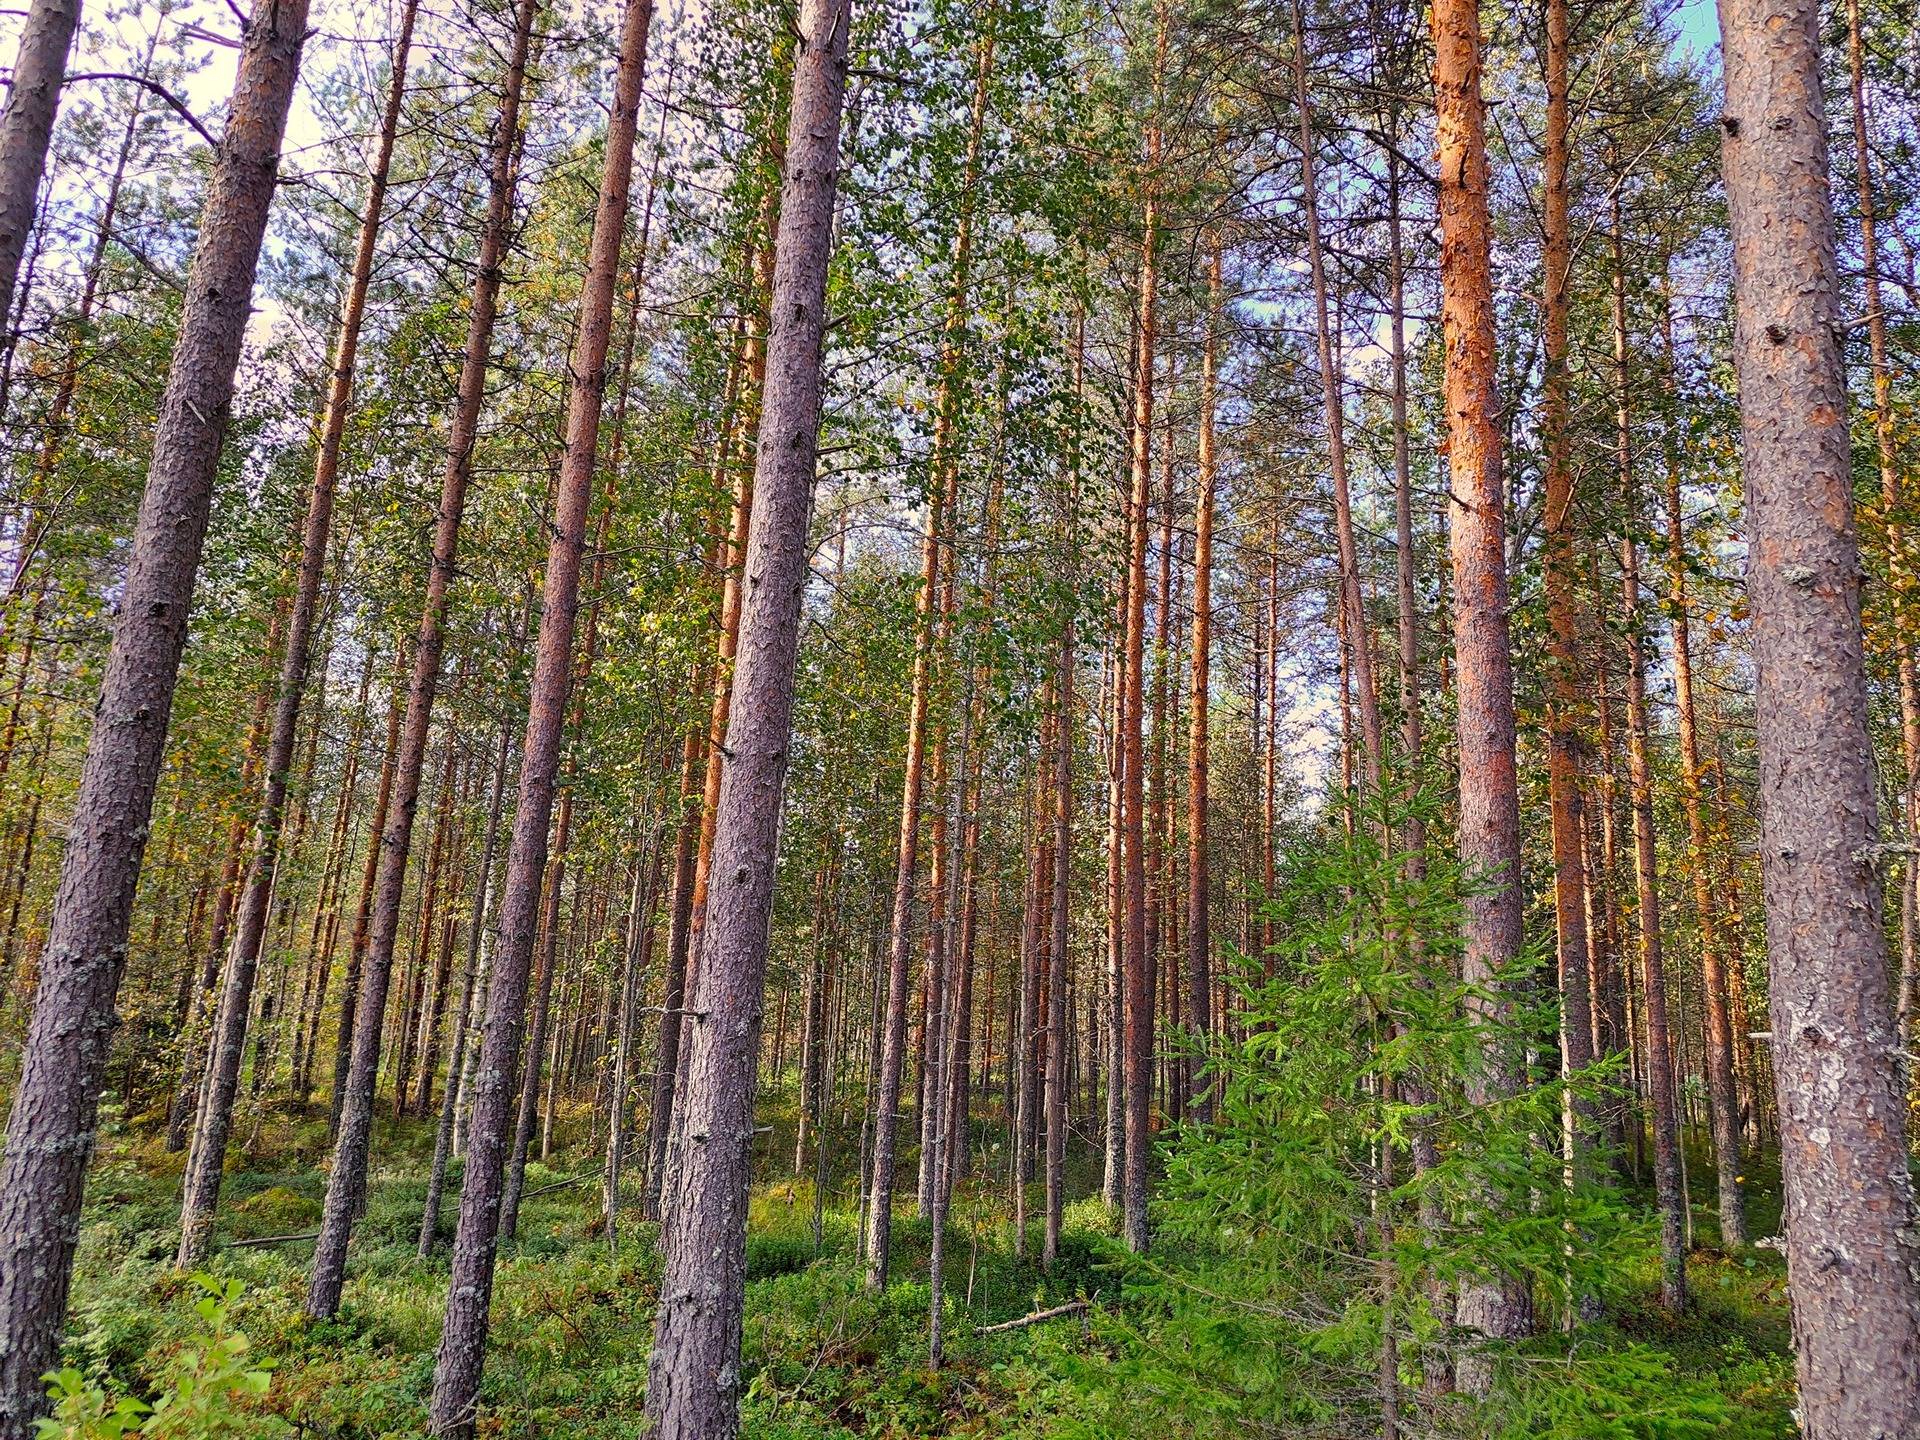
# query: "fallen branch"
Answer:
x=562 y=1184
x=274 y=1239
x=1072 y=1307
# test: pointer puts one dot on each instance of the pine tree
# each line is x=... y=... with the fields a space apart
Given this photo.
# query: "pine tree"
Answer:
x=1849 y=1194
x=50 y=1132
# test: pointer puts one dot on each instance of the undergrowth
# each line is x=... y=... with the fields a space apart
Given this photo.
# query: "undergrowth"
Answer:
x=1196 y=1341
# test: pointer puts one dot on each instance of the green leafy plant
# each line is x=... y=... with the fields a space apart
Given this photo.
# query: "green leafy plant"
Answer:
x=83 y=1410
x=202 y=1393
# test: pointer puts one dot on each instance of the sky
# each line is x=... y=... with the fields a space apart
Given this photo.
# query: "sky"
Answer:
x=1698 y=27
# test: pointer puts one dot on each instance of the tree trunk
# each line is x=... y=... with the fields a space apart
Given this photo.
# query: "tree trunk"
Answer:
x=463 y=1340
x=346 y=1184
x=469 y=987
x=1669 y=1177
x=1057 y=960
x=946 y=999
x=639 y=951
x=1199 y=877
x=813 y=1018
x=193 y=1061
x=26 y=127
x=679 y=916
x=1333 y=415
x=753 y=366
x=36 y=515
x=1564 y=709
x=1137 y=1054
x=326 y=911
x=1892 y=501
x=1852 y=1260
x=1021 y=1038
x=1116 y=898
x=694 y=1380
x=1496 y=1308
x=1722 y=1096
x=363 y=908
x=50 y=1133
x=927 y=609
x=533 y=1052
x=201 y=1189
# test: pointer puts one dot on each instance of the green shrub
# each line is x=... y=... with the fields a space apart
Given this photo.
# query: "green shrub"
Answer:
x=203 y=1391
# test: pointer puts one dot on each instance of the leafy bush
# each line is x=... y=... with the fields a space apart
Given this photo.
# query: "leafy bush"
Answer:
x=203 y=1393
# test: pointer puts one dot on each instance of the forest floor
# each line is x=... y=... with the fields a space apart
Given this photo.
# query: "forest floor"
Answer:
x=1178 y=1349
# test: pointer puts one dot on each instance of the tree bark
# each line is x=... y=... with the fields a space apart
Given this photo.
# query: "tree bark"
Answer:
x=26 y=127
x=1564 y=707
x=1493 y=1307
x=469 y=990
x=546 y=932
x=363 y=908
x=1852 y=1260
x=346 y=1184
x=929 y=613
x=1892 y=502
x=1021 y=1053
x=36 y=514
x=463 y=1338
x=1058 y=959
x=1199 y=875
x=693 y=1378
x=200 y=1192
x=1723 y=1099
x=50 y=1133
x=674 y=988
x=200 y=1018
x=1333 y=415
x=1137 y=1056
x=1669 y=1177
x=639 y=951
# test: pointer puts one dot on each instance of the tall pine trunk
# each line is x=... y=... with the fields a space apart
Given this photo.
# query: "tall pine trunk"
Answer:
x=26 y=127
x=693 y=1378
x=1493 y=1307
x=1669 y=1176
x=463 y=1338
x=1722 y=1096
x=201 y=1189
x=50 y=1132
x=1852 y=1260
x=346 y=1184
x=1057 y=958
x=639 y=951
x=1892 y=500
x=1199 y=876
x=927 y=617
x=470 y=985
x=1333 y=415
x=1564 y=703
x=1137 y=1013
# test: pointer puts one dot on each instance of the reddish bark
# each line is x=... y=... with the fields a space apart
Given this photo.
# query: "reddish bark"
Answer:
x=1489 y=825
x=463 y=1339
x=346 y=1183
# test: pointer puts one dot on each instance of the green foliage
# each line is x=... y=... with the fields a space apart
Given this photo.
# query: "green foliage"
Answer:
x=1625 y=1392
x=1304 y=1236
x=203 y=1391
